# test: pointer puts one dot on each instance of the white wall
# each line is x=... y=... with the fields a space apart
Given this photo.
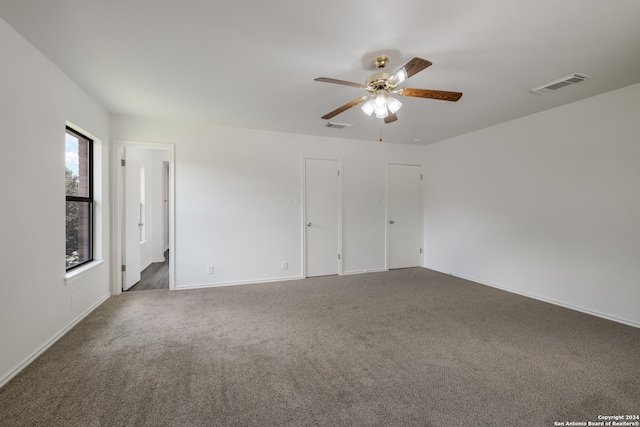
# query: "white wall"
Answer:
x=553 y=197
x=35 y=101
x=236 y=191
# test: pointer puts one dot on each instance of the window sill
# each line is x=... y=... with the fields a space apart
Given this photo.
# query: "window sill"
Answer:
x=80 y=272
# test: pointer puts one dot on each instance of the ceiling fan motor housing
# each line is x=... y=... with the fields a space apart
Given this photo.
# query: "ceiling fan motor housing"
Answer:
x=380 y=81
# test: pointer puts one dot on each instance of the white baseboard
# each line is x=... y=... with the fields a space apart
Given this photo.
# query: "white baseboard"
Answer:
x=541 y=298
x=26 y=362
x=250 y=282
x=373 y=270
x=142 y=268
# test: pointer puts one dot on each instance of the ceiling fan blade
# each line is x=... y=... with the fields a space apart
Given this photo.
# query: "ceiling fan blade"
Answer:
x=431 y=94
x=338 y=82
x=416 y=65
x=391 y=118
x=345 y=107
x=411 y=68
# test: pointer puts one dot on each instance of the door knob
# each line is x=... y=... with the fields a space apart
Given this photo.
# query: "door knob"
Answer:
x=308 y=224
x=392 y=222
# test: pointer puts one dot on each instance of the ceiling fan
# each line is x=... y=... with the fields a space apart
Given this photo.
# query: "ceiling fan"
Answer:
x=380 y=85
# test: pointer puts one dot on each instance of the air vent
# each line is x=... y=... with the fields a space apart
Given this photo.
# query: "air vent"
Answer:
x=338 y=125
x=560 y=83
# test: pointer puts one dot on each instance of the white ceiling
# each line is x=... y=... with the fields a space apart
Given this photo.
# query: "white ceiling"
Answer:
x=251 y=63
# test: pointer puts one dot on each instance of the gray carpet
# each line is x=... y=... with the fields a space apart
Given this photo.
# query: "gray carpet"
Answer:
x=405 y=347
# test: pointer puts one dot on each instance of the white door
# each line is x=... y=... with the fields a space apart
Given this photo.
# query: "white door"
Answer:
x=131 y=215
x=405 y=216
x=322 y=211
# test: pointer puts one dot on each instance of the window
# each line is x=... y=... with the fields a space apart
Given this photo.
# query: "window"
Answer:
x=79 y=198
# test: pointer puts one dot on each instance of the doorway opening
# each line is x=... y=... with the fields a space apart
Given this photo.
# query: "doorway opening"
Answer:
x=144 y=235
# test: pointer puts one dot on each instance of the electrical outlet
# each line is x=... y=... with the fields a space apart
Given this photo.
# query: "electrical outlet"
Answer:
x=285 y=265
x=73 y=300
x=512 y=274
x=210 y=269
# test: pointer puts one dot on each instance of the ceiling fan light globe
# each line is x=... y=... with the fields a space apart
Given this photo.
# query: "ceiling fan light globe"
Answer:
x=369 y=107
x=380 y=101
x=382 y=112
x=393 y=105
